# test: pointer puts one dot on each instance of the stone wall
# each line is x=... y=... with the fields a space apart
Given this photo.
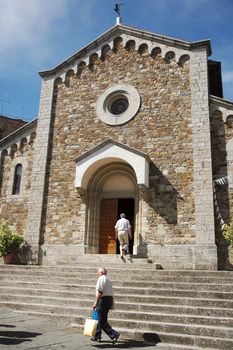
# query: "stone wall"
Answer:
x=162 y=129
x=221 y=117
x=14 y=207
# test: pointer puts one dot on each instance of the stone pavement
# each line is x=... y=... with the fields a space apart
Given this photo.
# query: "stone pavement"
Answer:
x=21 y=331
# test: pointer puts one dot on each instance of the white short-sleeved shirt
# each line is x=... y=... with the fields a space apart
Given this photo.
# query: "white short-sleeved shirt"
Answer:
x=104 y=285
x=123 y=225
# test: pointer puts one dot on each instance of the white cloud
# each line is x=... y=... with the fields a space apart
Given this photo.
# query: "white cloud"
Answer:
x=25 y=26
x=227 y=77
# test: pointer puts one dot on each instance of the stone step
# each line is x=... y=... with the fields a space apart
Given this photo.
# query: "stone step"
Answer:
x=105 y=259
x=131 y=300
x=127 y=279
x=133 y=284
x=156 y=336
x=139 y=307
x=128 y=291
x=226 y=305
x=79 y=314
x=192 y=308
x=141 y=296
x=145 y=269
x=161 y=313
x=124 y=283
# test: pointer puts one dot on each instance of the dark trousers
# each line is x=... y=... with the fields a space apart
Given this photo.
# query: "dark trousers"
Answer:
x=103 y=308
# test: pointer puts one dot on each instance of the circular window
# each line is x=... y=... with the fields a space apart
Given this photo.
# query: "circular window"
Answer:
x=118 y=104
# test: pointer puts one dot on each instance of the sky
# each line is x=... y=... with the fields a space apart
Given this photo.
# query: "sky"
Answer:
x=36 y=35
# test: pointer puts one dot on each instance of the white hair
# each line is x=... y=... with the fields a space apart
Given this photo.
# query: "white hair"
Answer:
x=102 y=270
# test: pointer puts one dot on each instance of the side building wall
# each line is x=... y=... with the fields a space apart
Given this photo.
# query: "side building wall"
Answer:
x=14 y=207
x=221 y=117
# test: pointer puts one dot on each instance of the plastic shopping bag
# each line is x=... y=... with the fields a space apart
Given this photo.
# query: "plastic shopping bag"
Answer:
x=95 y=315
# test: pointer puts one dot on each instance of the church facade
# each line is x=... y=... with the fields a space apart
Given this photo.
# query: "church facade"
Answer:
x=134 y=122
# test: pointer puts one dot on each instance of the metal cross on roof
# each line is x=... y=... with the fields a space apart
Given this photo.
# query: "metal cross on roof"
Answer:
x=117 y=8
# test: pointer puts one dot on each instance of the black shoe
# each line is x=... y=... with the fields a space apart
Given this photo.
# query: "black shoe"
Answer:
x=123 y=258
x=114 y=340
x=96 y=339
x=124 y=251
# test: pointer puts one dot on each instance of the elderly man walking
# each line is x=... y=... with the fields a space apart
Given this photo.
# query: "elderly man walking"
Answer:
x=104 y=302
x=123 y=233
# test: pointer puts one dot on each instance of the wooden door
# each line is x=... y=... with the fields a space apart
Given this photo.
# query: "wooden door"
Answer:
x=108 y=218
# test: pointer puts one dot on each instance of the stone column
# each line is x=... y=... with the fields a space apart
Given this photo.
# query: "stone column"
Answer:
x=36 y=198
x=2 y=158
x=205 y=249
x=140 y=236
x=92 y=227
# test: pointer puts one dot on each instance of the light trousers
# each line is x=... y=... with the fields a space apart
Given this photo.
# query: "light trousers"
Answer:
x=123 y=240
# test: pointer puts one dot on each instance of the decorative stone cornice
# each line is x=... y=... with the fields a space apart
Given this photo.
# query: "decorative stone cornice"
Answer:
x=17 y=137
x=153 y=41
x=221 y=102
x=221 y=105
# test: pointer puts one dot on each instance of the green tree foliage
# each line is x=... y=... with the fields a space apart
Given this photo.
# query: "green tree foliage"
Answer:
x=227 y=231
x=9 y=241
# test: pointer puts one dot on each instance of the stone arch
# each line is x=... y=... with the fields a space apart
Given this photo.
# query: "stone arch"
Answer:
x=183 y=59
x=104 y=51
x=155 y=52
x=113 y=181
x=58 y=81
x=143 y=49
x=69 y=74
x=81 y=67
x=93 y=177
x=92 y=60
x=32 y=138
x=103 y=154
x=117 y=43
x=13 y=150
x=23 y=144
x=229 y=121
x=130 y=45
x=217 y=115
x=4 y=153
x=169 y=56
x=98 y=180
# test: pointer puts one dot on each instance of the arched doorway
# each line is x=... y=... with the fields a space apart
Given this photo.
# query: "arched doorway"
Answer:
x=110 y=210
x=112 y=190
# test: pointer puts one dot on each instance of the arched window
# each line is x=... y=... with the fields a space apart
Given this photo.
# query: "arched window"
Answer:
x=17 y=179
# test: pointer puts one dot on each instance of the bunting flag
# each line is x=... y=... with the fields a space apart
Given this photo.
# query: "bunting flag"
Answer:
x=223 y=181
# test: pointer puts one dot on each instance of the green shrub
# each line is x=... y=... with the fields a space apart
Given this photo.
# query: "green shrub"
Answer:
x=227 y=231
x=9 y=241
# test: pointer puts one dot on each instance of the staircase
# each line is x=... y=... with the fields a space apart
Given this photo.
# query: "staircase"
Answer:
x=189 y=309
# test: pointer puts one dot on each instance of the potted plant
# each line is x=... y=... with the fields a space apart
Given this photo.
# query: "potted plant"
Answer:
x=227 y=231
x=9 y=243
